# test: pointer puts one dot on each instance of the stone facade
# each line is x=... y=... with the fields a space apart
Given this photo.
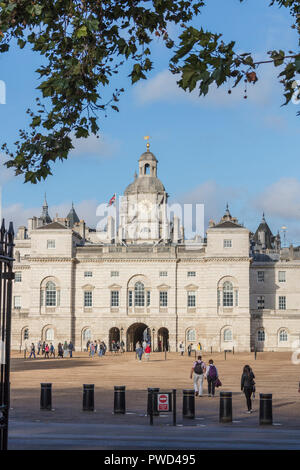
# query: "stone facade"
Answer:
x=73 y=283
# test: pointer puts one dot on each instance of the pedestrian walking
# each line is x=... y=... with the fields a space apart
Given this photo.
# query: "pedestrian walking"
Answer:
x=60 y=351
x=43 y=348
x=32 y=351
x=198 y=370
x=147 y=352
x=47 y=351
x=70 y=348
x=65 y=348
x=211 y=377
x=181 y=348
x=92 y=350
x=139 y=352
x=39 y=346
x=248 y=385
x=52 y=350
x=189 y=349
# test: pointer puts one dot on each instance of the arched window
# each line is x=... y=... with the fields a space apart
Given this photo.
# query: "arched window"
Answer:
x=283 y=336
x=227 y=335
x=261 y=335
x=139 y=294
x=50 y=294
x=87 y=334
x=227 y=294
x=49 y=335
x=191 y=336
x=26 y=334
x=147 y=169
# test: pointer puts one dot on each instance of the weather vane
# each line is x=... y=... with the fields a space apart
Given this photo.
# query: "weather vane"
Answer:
x=147 y=137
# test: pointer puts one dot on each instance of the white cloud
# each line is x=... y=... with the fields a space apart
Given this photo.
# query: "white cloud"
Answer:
x=19 y=215
x=281 y=199
x=163 y=87
x=6 y=174
x=102 y=147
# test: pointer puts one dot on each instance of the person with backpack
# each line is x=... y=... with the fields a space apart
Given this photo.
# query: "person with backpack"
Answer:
x=211 y=377
x=248 y=386
x=198 y=370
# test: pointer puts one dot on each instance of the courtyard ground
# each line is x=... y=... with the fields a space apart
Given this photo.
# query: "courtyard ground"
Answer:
x=68 y=426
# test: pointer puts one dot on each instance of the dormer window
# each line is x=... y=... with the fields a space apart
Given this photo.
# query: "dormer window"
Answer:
x=50 y=244
x=227 y=243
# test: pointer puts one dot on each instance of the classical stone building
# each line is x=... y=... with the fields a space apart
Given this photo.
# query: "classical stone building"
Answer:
x=231 y=289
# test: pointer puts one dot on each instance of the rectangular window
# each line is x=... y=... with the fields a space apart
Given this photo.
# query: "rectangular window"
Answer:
x=260 y=276
x=148 y=298
x=114 y=273
x=227 y=243
x=191 y=273
x=163 y=273
x=130 y=298
x=18 y=276
x=163 y=299
x=88 y=298
x=88 y=274
x=260 y=302
x=191 y=299
x=114 y=298
x=282 y=302
x=281 y=276
x=51 y=244
x=17 y=301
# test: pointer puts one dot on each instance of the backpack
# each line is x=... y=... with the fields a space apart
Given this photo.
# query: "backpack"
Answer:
x=212 y=373
x=198 y=368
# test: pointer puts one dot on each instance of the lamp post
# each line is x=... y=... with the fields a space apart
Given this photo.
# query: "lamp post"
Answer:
x=121 y=338
x=153 y=331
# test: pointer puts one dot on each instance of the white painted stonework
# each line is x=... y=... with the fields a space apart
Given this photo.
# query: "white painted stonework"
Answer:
x=73 y=284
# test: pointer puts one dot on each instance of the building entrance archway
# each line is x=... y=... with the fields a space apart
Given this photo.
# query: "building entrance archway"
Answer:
x=163 y=339
x=138 y=332
x=114 y=337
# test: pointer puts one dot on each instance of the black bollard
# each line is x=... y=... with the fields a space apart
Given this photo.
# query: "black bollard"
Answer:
x=188 y=404
x=149 y=401
x=225 y=414
x=88 y=397
x=265 y=408
x=46 y=397
x=119 y=399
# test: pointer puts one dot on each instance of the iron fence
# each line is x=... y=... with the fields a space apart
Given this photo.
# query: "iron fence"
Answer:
x=6 y=278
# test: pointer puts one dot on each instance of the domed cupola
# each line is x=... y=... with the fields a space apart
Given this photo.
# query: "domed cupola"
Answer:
x=146 y=181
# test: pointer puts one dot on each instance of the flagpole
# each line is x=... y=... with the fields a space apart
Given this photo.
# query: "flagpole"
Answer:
x=116 y=219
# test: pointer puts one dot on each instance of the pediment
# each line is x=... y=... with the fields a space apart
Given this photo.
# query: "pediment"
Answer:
x=191 y=287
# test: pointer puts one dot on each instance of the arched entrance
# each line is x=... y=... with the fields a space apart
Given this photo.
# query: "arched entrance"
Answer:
x=163 y=339
x=137 y=332
x=114 y=335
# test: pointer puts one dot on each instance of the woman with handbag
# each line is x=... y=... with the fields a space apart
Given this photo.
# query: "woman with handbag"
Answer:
x=248 y=385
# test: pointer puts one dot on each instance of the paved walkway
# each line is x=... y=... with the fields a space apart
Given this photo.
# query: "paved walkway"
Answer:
x=69 y=427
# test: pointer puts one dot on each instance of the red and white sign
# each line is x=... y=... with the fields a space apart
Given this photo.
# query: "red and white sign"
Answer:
x=162 y=402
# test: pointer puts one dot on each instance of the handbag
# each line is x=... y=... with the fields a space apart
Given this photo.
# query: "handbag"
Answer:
x=218 y=383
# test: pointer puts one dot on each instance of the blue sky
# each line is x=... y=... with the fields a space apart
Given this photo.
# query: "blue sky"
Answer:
x=212 y=150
